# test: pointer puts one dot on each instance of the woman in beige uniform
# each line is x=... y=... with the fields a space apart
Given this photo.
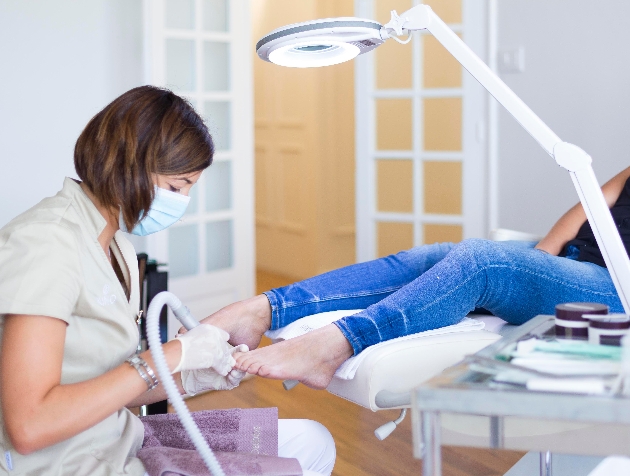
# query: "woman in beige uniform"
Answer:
x=69 y=296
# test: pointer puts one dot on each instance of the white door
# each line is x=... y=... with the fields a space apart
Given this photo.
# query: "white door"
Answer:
x=201 y=49
x=420 y=135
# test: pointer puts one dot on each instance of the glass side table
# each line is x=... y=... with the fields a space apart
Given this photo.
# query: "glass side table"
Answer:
x=464 y=389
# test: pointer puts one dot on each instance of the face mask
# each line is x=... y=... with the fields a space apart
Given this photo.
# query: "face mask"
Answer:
x=167 y=208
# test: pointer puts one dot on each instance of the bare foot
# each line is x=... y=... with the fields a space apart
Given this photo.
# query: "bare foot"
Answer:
x=312 y=358
x=246 y=321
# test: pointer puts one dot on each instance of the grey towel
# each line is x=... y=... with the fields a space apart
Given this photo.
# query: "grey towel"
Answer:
x=246 y=442
x=177 y=462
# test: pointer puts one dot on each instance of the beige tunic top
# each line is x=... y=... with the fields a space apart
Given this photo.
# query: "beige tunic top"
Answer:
x=51 y=264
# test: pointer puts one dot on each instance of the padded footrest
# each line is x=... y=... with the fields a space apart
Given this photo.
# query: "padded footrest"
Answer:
x=402 y=366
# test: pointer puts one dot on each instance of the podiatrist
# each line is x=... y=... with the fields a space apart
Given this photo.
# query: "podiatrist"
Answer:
x=69 y=296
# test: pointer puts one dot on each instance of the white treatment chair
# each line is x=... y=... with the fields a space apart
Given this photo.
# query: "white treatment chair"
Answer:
x=383 y=376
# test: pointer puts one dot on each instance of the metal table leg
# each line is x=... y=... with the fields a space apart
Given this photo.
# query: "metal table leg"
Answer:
x=545 y=463
x=432 y=454
x=496 y=432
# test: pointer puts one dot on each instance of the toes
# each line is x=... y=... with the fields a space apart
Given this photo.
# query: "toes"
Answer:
x=247 y=363
x=254 y=368
x=242 y=361
x=265 y=371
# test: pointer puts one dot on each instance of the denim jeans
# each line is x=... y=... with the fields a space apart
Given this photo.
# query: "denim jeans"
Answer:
x=436 y=285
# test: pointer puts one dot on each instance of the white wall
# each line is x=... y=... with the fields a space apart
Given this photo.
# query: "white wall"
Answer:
x=577 y=79
x=61 y=61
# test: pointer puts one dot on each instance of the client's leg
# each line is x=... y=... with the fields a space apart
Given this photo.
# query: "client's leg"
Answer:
x=352 y=287
x=309 y=442
x=513 y=282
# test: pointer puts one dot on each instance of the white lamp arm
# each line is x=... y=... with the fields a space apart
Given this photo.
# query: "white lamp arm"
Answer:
x=578 y=163
x=568 y=156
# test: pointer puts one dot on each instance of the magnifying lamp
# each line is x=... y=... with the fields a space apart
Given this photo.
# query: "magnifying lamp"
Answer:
x=334 y=40
x=320 y=42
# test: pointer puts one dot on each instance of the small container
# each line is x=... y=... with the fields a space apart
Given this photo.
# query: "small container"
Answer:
x=570 y=323
x=607 y=330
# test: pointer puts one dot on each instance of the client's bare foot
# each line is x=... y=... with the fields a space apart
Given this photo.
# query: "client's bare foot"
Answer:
x=246 y=321
x=312 y=358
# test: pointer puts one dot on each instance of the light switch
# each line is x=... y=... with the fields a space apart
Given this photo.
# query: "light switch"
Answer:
x=511 y=60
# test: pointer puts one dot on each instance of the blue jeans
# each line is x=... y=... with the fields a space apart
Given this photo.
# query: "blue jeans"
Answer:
x=436 y=285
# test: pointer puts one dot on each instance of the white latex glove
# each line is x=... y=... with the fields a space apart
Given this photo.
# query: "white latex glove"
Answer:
x=203 y=347
x=195 y=381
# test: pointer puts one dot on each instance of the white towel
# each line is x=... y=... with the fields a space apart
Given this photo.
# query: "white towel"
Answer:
x=349 y=368
x=308 y=324
x=612 y=466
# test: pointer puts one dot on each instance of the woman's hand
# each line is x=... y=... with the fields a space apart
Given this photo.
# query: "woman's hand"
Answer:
x=204 y=347
x=195 y=381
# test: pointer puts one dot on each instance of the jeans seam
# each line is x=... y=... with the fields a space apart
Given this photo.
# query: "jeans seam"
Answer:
x=356 y=343
x=275 y=315
x=515 y=268
x=357 y=347
x=549 y=278
x=340 y=296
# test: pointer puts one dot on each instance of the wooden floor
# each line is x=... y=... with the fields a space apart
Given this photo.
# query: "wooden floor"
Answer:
x=359 y=453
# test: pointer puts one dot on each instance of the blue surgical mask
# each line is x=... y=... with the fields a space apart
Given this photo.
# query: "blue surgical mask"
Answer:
x=166 y=208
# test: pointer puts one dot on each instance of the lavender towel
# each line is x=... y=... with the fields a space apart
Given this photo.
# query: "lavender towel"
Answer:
x=176 y=462
x=247 y=438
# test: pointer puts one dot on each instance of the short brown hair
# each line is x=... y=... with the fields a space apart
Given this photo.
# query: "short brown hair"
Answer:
x=147 y=130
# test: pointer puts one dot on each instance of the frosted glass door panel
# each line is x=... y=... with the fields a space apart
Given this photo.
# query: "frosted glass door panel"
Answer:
x=442 y=233
x=180 y=64
x=183 y=250
x=382 y=8
x=180 y=14
x=443 y=187
x=441 y=69
x=450 y=11
x=219 y=245
x=393 y=66
x=394 y=186
x=215 y=15
x=394 y=124
x=218 y=115
x=393 y=237
x=219 y=186
x=216 y=66
x=443 y=124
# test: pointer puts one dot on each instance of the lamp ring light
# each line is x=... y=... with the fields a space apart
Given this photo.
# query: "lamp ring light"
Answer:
x=320 y=42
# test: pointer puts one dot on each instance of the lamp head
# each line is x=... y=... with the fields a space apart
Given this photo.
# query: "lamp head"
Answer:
x=320 y=42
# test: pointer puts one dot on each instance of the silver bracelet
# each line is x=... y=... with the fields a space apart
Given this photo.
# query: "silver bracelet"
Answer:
x=144 y=370
x=135 y=364
x=154 y=380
